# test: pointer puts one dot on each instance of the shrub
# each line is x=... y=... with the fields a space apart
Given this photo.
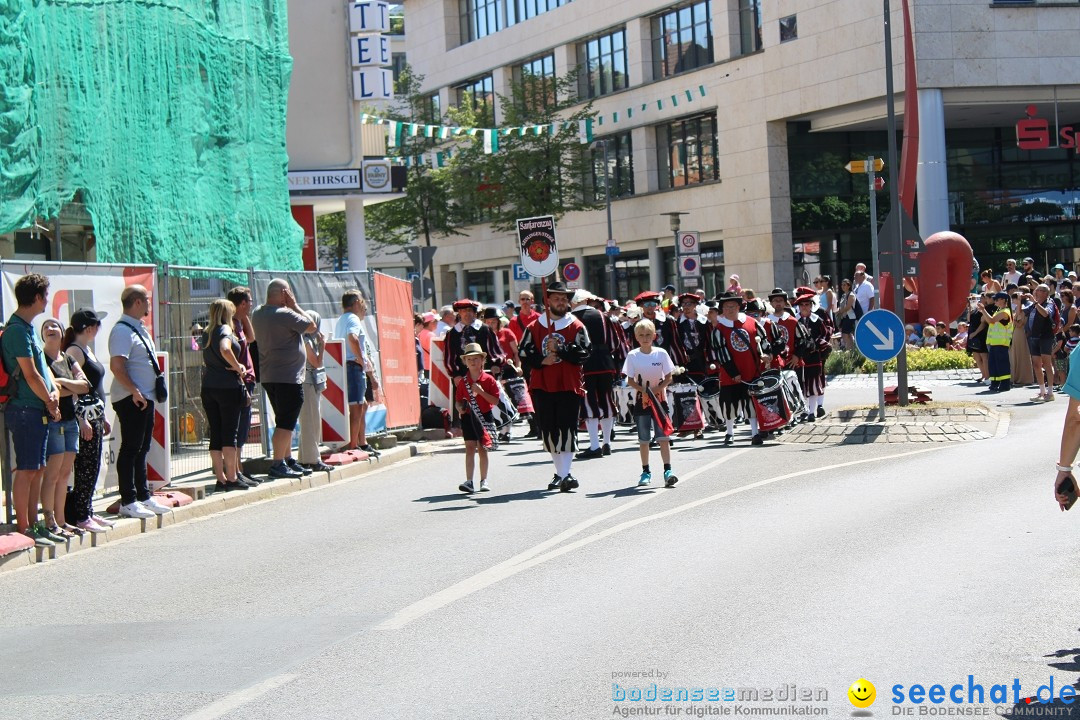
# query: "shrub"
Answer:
x=928 y=359
x=845 y=362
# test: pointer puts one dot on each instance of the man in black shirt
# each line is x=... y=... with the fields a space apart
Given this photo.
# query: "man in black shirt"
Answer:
x=1042 y=321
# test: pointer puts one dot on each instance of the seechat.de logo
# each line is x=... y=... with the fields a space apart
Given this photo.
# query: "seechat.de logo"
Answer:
x=1033 y=133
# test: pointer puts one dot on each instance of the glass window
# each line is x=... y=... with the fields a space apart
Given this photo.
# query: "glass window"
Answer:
x=687 y=151
x=480 y=18
x=432 y=110
x=480 y=286
x=789 y=28
x=538 y=80
x=604 y=63
x=620 y=160
x=479 y=94
x=397 y=62
x=682 y=39
x=750 y=25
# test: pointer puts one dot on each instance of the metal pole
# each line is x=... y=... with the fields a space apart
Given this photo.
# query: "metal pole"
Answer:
x=894 y=201
x=607 y=203
x=871 y=176
x=5 y=440
x=165 y=337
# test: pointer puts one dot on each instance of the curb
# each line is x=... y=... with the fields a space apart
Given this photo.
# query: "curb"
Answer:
x=215 y=503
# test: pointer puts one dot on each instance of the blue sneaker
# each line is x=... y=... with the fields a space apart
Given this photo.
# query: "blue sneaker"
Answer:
x=646 y=479
x=670 y=478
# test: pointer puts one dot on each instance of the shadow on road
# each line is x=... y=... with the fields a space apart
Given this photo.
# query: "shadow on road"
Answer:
x=512 y=497
x=623 y=492
x=442 y=498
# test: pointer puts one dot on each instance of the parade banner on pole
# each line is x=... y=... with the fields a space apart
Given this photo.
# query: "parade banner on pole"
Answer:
x=536 y=240
x=397 y=351
x=74 y=287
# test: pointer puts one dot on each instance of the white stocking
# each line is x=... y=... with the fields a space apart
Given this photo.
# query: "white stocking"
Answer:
x=753 y=426
x=813 y=403
x=562 y=462
x=730 y=426
x=593 y=426
x=606 y=426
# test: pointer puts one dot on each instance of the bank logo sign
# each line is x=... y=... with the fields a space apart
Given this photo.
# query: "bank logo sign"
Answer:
x=1033 y=133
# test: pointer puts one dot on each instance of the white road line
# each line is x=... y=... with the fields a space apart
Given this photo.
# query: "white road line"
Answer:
x=230 y=702
x=536 y=555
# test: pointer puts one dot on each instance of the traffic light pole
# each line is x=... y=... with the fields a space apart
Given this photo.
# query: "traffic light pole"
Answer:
x=897 y=265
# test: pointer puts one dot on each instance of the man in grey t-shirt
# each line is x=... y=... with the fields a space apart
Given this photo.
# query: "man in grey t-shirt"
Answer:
x=280 y=325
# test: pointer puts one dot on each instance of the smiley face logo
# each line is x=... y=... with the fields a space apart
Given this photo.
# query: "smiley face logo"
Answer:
x=862 y=693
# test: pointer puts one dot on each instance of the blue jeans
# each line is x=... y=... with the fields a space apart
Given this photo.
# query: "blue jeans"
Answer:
x=357 y=382
x=63 y=438
x=29 y=434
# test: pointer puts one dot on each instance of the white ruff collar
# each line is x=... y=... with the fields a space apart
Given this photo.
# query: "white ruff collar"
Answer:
x=476 y=325
x=727 y=323
x=560 y=323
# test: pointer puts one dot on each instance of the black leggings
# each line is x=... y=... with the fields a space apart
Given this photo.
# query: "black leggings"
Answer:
x=223 y=409
x=79 y=504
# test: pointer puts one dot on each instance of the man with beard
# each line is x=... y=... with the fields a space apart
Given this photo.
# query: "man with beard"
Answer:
x=469 y=329
x=555 y=346
x=667 y=334
x=740 y=344
x=598 y=404
x=783 y=323
x=811 y=349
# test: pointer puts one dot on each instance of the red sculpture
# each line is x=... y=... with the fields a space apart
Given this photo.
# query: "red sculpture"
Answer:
x=944 y=283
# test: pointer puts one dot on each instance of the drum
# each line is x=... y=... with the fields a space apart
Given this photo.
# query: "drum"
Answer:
x=686 y=412
x=519 y=394
x=770 y=404
x=709 y=391
x=504 y=413
x=624 y=405
x=793 y=392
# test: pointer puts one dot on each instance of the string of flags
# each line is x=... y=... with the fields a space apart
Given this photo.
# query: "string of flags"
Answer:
x=398 y=129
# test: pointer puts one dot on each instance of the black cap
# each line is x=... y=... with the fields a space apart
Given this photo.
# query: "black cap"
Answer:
x=491 y=313
x=557 y=287
x=669 y=287
x=84 y=318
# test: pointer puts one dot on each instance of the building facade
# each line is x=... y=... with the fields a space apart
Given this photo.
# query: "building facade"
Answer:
x=794 y=89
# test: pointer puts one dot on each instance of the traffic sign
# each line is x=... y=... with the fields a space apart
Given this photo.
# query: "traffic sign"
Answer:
x=879 y=183
x=412 y=276
x=879 y=336
x=689 y=242
x=571 y=272
x=859 y=166
x=519 y=272
x=611 y=250
x=690 y=266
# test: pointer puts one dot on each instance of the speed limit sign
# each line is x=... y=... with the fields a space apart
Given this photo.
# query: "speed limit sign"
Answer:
x=689 y=242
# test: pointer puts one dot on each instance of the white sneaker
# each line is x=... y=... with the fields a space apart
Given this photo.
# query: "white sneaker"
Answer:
x=484 y=486
x=135 y=510
x=155 y=507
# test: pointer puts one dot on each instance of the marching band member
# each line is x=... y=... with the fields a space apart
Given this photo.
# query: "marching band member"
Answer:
x=783 y=322
x=598 y=404
x=811 y=348
x=739 y=341
x=667 y=334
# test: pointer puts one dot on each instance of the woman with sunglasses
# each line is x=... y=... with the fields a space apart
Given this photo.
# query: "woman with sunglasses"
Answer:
x=63 y=441
x=826 y=296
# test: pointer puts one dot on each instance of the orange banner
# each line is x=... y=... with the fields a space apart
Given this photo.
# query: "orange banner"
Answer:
x=397 y=350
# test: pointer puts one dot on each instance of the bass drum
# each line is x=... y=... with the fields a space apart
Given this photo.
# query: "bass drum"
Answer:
x=770 y=404
x=709 y=391
x=793 y=392
x=504 y=413
x=624 y=404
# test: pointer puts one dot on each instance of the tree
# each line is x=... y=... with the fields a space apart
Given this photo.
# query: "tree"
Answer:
x=332 y=242
x=533 y=173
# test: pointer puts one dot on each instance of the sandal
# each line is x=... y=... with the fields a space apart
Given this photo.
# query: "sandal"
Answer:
x=73 y=529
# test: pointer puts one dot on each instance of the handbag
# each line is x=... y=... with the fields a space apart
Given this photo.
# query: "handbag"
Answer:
x=317 y=377
x=161 y=387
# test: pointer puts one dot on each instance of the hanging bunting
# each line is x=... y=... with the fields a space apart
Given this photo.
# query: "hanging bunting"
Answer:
x=491 y=141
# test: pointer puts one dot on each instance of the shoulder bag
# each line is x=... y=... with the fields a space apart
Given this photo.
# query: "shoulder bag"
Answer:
x=161 y=386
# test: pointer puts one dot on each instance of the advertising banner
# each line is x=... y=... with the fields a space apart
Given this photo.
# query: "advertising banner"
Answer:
x=536 y=240
x=74 y=287
x=397 y=351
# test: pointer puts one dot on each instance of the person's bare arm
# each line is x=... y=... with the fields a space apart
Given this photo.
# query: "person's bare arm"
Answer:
x=227 y=354
x=120 y=374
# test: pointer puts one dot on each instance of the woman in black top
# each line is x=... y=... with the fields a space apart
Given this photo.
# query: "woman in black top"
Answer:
x=976 y=342
x=93 y=427
x=224 y=394
x=63 y=442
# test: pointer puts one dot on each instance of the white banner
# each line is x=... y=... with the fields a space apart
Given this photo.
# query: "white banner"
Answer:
x=98 y=287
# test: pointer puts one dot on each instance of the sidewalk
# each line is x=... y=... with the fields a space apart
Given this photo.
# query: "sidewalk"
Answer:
x=920 y=379
x=207 y=502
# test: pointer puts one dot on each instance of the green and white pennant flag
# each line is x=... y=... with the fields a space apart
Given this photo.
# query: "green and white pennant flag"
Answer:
x=491 y=141
x=394 y=136
x=585 y=134
x=414 y=129
x=429 y=131
x=444 y=132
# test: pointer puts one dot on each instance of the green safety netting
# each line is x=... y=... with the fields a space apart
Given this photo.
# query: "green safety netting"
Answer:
x=167 y=115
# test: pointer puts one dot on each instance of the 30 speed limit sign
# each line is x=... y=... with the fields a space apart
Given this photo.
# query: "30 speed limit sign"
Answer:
x=688 y=243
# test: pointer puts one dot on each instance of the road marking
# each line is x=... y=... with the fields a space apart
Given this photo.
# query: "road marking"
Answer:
x=536 y=555
x=230 y=702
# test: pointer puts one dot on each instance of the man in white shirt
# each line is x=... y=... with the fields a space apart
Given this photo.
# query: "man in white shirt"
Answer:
x=446 y=321
x=1011 y=274
x=864 y=291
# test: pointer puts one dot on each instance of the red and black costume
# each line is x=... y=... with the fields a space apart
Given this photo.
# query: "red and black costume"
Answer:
x=461 y=335
x=738 y=346
x=696 y=338
x=667 y=334
x=599 y=368
x=812 y=346
x=556 y=389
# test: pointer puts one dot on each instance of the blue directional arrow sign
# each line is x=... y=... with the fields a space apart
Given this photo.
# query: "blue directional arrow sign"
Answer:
x=879 y=336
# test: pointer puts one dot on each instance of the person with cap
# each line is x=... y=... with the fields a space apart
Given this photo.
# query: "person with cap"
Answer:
x=1058 y=272
x=998 y=317
x=734 y=287
x=470 y=329
x=810 y=350
x=93 y=427
x=598 y=375
x=555 y=346
x=783 y=323
x=475 y=395
x=509 y=309
x=1028 y=272
x=741 y=349
x=667 y=334
x=668 y=298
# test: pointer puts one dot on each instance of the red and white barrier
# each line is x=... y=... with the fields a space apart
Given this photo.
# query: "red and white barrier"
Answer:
x=439 y=385
x=159 y=459
x=335 y=401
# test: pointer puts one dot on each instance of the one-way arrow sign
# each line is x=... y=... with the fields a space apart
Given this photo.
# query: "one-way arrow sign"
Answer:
x=879 y=336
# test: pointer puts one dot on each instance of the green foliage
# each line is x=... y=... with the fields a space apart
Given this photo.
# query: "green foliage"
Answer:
x=844 y=362
x=928 y=359
x=532 y=174
x=332 y=241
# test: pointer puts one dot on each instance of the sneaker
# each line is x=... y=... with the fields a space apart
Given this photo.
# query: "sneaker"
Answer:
x=466 y=487
x=90 y=526
x=240 y=479
x=1049 y=396
x=370 y=450
x=484 y=486
x=590 y=454
x=281 y=470
x=103 y=522
x=1038 y=398
x=606 y=449
x=227 y=486
x=294 y=465
x=556 y=482
x=319 y=467
x=645 y=479
x=48 y=533
x=39 y=540
x=568 y=483
x=728 y=439
x=670 y=478
x=758 y=439
x=248 y=479
x=155 y=507
x=135 y=510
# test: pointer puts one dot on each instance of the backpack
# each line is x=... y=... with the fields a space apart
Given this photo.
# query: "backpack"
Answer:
x=9 y=382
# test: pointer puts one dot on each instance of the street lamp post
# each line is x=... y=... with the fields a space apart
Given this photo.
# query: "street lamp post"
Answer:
x=610 y=235
x=676 y=223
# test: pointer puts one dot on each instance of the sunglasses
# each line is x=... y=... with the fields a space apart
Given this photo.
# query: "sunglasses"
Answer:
x=650 y=304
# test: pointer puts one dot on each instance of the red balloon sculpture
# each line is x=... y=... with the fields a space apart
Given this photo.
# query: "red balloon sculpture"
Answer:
x=944 y=283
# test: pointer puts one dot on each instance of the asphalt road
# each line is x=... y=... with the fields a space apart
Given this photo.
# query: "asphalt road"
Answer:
x=395 y=596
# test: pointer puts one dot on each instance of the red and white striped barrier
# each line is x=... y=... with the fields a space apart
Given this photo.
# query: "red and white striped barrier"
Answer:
x=335 y=400
x=439 y=385
x=159 y=459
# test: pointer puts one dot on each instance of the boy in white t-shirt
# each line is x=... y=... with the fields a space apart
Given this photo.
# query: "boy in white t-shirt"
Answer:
x=648 y=366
